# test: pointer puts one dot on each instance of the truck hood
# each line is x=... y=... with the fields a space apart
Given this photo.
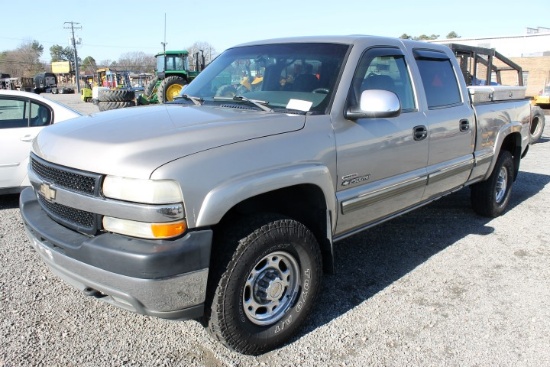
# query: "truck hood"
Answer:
x=133 y=142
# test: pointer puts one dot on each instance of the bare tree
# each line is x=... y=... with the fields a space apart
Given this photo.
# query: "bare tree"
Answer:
x=23 y=61
x=105 y=63
x=138 y=62
x=201 y=48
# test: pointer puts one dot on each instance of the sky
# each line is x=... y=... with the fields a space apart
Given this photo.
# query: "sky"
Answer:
x=110 y=29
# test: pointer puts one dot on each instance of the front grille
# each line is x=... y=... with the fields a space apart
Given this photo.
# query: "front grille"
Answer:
x=77 y=219
x=73 y=180
x=86 y=183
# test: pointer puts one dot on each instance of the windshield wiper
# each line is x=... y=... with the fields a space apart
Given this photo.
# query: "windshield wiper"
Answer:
x=197 y=101
x=260 y=104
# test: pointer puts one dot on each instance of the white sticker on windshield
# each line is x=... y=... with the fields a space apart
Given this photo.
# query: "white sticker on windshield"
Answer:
x=298 y=104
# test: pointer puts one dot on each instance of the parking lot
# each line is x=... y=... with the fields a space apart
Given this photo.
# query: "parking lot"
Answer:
x=439 y=286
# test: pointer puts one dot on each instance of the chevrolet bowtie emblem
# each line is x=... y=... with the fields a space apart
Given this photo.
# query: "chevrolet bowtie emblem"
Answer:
x=47 y=192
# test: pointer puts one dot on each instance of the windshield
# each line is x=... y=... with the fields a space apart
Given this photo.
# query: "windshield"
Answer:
x=294 y=76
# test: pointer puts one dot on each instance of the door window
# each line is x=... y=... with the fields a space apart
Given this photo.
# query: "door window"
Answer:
x=16 y=113
x=385 y=68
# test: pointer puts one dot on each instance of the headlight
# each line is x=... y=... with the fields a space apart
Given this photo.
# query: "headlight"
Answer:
x=142 y=191
x=144 y=230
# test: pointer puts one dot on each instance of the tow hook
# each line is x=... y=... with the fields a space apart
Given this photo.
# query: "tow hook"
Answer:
x=93 y=293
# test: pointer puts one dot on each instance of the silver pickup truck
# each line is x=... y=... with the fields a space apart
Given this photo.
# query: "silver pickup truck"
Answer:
x=225 y=206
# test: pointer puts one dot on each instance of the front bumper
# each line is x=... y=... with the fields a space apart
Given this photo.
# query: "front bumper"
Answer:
x=160 y=278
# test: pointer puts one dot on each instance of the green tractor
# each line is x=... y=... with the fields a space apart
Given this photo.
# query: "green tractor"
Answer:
x=172 y=74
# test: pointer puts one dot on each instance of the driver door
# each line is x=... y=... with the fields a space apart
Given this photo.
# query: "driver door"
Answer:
x=381 y=162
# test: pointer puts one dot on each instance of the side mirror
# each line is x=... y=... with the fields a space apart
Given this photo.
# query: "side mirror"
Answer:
x=375 y=103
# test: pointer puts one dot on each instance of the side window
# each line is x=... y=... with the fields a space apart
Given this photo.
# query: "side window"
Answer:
x=439 y=79
x=40 y=115
x=382 y=68
x=13 y=113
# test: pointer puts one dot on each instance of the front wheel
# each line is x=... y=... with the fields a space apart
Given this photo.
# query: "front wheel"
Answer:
x=151 y=88
x=490 y=198
x=268 y=286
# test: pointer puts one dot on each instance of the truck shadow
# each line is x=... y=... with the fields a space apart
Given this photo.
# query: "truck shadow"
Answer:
x=9 y=201
x=543 y=139
x=369 y=262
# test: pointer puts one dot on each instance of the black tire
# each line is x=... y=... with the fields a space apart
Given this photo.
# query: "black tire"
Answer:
x=268 y=278
x=169 y=88
x=105 y=106
x=490 y=198
x=115 y=95
x=537 y=125
x=151 y=88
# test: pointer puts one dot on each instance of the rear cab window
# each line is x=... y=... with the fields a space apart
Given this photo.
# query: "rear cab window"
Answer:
x=439 y=79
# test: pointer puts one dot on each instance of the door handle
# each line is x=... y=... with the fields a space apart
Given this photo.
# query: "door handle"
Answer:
x=27 y=138
x=420 y=132
x=464 y=125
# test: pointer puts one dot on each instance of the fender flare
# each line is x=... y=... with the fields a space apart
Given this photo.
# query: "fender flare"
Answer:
x=225 y=196
x=503 y=134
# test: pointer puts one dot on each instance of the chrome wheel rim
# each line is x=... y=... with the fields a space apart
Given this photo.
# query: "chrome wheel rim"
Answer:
x=502 y=183
x=271 y=288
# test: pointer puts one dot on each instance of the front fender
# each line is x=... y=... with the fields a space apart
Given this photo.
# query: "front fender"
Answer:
x=222 y=198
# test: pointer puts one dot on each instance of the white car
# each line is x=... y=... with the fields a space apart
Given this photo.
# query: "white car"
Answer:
x=22 y=116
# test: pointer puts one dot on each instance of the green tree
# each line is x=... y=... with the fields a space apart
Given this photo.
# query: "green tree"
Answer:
x=59 y=53
x=424 y=37
x=452 y=34
x=88 y=65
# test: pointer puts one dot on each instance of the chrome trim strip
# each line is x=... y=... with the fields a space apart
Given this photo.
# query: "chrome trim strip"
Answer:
x=486 y=158
x=113 y=208
x=450 y=171
x=370 y=198
x=9 y=165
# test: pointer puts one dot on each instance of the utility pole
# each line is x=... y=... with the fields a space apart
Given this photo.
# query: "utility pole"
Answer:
x=72 y=26
x=164 y=43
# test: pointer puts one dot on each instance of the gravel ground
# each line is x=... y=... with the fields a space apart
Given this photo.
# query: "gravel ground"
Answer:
x=437 y=287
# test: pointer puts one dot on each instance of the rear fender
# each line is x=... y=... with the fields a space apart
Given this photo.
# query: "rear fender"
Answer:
x=510 y=138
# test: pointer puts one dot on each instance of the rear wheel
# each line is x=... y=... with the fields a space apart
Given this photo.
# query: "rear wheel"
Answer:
x=490 y=198
x=170 y=88
x=537 y=125
x=269 y=279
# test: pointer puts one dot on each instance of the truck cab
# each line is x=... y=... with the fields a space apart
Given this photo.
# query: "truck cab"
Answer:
x=44 y=82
